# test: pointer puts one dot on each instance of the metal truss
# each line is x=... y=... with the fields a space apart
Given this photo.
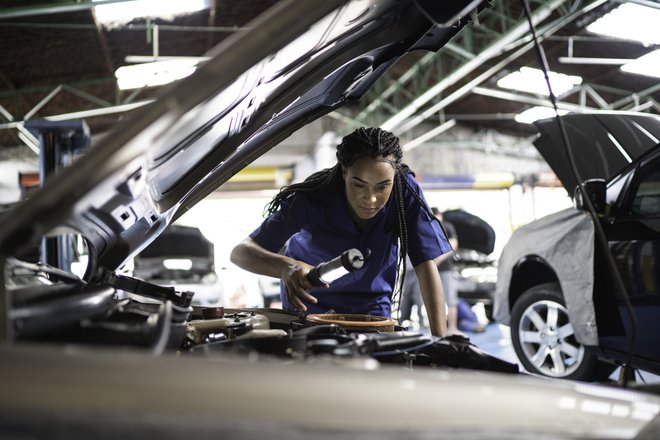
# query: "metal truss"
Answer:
x=99 y=105
x=635 y=102
x=483 y=50
x=490 y=141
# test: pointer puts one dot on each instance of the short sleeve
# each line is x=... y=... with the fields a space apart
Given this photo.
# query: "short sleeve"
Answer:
x=274 y=232
x=426 y=239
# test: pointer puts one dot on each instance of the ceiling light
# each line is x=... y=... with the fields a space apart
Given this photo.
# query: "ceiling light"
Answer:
x=127 y=11
x=532 y=80
x=429 y=135
x=648 y=65
x=630 y=22
x=154 y=74
x=535 y=113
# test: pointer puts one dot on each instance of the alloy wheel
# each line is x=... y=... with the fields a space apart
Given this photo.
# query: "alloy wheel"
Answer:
x=548 y=340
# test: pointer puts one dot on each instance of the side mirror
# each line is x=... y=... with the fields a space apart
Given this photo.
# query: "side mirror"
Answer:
x=595 y=191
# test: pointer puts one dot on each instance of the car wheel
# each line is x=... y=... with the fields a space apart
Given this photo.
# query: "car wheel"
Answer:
x=544 y=340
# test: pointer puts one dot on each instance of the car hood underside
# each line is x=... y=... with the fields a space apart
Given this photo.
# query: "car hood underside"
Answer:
x=602 y=144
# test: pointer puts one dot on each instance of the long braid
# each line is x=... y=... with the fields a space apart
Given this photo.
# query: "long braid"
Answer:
x=402 y=232
x=425 y=207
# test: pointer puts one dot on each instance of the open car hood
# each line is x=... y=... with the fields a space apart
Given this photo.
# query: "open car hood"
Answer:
x=473 y=232
x=299 y=61
x=601 y=143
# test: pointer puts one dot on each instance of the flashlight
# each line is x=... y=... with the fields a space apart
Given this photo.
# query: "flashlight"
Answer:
x=329 y=271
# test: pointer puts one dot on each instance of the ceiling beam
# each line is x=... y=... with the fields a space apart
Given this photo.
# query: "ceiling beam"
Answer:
x=84 y=113
x=5 y=113
x=429 y=135
x=527 y=99
x=631 y=97
x=495 y=49
x=467 y=88
x=547 y=31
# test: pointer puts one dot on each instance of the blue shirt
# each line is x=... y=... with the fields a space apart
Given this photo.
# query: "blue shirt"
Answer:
x=318 y=231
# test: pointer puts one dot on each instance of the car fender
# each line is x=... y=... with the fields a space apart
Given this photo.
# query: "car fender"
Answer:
x=564 y=243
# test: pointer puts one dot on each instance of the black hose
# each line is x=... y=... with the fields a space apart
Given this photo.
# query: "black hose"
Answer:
x=628 y=371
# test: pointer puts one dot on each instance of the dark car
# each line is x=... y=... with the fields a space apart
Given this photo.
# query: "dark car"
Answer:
x=555 y=287
x=106 y=355
x=476 y=270
x=182 y=257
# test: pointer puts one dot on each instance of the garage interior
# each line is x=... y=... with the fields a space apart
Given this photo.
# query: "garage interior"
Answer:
x=465 y=125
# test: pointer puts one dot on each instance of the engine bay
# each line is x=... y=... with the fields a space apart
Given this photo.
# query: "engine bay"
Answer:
x=51 y=306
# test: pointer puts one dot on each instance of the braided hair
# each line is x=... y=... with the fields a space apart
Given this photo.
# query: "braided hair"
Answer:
x=375 y=143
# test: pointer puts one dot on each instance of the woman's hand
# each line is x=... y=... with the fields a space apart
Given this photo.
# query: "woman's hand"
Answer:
x=250 y=256
x=296 y=284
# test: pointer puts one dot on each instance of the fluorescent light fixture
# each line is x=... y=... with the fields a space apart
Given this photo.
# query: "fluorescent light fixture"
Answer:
x=531 y=80
x=29 y=142
x=153 y=74
x=535 y=113
x=82 y=114
x=151 y=58
x=429 y=135
x=629 y=21
x=129 y=10
x=648 y=65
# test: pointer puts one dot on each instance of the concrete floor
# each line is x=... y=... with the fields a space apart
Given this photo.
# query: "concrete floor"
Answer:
x=496 y=340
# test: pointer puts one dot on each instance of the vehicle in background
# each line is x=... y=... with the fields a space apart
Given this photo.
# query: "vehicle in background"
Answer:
x=270 y=291
x=183 y=258
x=555 y=287
x=476 y=271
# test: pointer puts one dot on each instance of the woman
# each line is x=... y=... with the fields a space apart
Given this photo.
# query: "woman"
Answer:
x=368 y=200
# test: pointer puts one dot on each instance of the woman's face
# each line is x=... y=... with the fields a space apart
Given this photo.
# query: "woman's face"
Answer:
x=369 y=183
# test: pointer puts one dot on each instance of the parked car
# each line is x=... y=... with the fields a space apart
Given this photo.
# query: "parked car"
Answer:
x=476 y=270
x=113 y=356
x=183 y=258
x=555 y=288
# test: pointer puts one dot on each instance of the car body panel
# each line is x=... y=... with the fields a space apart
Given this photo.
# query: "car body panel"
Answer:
x=602 y=144
x=353 y=398
x=565 y=242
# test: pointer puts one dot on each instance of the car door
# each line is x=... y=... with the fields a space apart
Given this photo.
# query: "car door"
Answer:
x=634 y=233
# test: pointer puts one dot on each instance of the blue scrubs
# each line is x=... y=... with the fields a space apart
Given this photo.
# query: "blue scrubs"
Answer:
x=317 y=231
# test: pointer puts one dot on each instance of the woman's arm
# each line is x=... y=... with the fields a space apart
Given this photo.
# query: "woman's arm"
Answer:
x=250 y=256
x=433 y=295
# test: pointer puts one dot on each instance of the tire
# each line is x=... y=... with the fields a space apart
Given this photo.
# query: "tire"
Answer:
x=544 y=340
